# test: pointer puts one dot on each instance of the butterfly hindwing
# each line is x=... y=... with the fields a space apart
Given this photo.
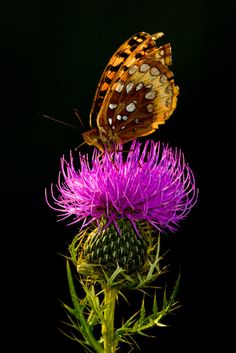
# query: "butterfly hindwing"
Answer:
x=136 y=93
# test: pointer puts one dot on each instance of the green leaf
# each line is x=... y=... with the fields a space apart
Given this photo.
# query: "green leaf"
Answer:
x=171 y=301
x=93 y=300
x=142 y=312
x=85 y=328
x=154 y=306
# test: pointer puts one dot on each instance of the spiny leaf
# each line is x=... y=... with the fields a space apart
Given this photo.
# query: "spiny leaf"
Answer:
x=154 y=306
x=127 y=323
x=174 y=292
x=71 y=337
x=141 y=333
x=93 y=302
x=73 y=325
x=142 y=312
x=114 y=275
x=69 y=309
x=93 y=318
x=171 y=301
x=85 y=328
x=157 y=321
x=76 y=303
x=165 y=301
x=76 y=245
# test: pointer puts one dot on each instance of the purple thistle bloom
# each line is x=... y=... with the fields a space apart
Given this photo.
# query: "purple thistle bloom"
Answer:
x=152 y=184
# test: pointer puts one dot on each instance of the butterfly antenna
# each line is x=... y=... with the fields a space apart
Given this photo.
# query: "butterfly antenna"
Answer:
x=77 y=115
x=78 y=147
x=56 y=120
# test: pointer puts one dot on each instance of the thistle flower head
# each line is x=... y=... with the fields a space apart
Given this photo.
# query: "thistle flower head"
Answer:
x=152 y=183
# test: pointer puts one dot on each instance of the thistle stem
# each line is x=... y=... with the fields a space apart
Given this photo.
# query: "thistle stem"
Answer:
x=108 y=323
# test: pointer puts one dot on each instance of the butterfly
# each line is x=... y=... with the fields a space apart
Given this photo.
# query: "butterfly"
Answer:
x=136 y=93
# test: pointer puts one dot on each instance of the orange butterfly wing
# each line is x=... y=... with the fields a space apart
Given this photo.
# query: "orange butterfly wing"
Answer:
x=135 y=94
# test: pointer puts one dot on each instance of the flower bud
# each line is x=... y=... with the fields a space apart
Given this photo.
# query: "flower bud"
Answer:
x=112 y=248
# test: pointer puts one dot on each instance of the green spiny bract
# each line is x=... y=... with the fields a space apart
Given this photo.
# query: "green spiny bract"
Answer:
x=108 y=248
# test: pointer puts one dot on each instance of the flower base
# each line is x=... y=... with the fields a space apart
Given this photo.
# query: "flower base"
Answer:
x=95 y=312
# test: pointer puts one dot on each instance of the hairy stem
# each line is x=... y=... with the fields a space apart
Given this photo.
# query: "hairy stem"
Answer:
x=108 y=323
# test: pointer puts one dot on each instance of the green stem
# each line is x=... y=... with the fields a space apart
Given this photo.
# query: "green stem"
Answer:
x=108 y=323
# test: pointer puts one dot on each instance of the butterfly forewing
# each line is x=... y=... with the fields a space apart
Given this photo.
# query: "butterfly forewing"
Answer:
x=130 y=51
x=136 y=92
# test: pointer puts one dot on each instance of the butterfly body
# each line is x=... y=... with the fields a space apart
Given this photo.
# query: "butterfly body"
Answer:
x=136 y=93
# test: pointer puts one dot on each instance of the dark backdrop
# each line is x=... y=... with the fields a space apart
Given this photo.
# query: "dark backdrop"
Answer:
x=53 y=54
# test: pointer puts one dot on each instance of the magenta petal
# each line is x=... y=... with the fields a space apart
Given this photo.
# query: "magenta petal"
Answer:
x=153 y=184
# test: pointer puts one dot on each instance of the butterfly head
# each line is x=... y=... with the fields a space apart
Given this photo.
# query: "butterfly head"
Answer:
x=95 y=137
x=92 y=138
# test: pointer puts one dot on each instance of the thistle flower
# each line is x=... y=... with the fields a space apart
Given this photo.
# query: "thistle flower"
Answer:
x=152 y=184
x=121 y=199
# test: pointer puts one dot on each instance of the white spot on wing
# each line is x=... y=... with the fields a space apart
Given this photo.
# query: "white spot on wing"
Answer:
x=124 y=117
x=119 y=117
x=133 y=69
x=112 y=105
x=163 y=78
x=129 y=87
x=168 y=89
x=150 y=95
x=154 y=71
x=150 y=108
x=144 y=68
x=168 y=101
x=139 y=86
x=130 y=107
x=119 y=87
x=110 y=121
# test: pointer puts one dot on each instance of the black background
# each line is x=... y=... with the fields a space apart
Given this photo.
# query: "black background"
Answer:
x=53 y=54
